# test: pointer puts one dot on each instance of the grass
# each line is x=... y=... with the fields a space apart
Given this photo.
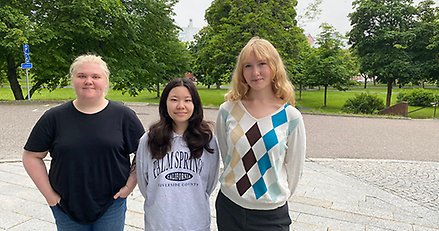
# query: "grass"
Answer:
x=311 y=100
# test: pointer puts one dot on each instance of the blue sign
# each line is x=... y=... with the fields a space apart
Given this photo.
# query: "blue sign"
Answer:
x=26 y=58
x=26 y=65
x=26 y=48
x=26 y=53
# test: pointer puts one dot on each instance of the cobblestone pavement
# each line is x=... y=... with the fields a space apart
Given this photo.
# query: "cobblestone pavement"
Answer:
x=415 y=181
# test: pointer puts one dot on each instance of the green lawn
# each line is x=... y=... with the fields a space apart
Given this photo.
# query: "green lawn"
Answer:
x=311 y=100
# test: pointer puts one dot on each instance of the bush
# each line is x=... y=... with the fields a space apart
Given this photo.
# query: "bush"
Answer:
x=417 y=97
x=363 y=104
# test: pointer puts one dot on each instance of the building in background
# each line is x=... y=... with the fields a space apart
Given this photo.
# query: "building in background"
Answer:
x=311 y=40
x=187 y=33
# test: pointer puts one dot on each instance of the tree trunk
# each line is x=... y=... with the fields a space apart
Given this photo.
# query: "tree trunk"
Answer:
x=12 y=78
x=389 y=92
x=324 y=98
x=158 y=90
x=365 y=80
x=33 y=89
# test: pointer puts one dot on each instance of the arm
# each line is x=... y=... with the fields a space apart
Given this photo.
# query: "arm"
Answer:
x=142 y=168
x=295 y=157
x=131 y=182
x=221 y=135
x=36 y=169
x=214 y=171
x=134 y=130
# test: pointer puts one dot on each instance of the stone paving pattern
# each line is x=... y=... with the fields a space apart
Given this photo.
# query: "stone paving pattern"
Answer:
x=414 y=181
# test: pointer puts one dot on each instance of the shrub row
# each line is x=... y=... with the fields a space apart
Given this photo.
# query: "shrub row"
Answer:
x=418 y=97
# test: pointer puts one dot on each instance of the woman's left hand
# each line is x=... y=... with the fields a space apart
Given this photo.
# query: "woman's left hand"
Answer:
x=123 y=192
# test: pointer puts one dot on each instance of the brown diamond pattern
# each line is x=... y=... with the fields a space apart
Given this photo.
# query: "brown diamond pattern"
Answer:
x=253 y=134
x=249 y=160
x=243 y=184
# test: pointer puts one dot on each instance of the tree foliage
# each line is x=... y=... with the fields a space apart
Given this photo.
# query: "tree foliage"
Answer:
x=16 y=28
x=232 y=23
x=137 y=38
x=380 y=35
x=329 y=64
x=425 y=46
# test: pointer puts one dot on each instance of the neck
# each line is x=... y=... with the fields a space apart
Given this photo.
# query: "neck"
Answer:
x=261 y=96
x=179 y=129
x=90 y=107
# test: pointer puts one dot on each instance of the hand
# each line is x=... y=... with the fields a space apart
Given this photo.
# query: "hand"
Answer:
x=123 y=192
x=53 y=200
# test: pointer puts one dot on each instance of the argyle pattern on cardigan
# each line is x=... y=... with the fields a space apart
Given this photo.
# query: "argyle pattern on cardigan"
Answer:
x=259 y=147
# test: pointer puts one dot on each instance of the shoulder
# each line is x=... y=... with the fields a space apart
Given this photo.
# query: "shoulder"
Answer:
x=144 y=138
x=228 y=104
x=119 y=107
x=292 y=112
x=59 y=109
x=227 y=107
x=115 y=105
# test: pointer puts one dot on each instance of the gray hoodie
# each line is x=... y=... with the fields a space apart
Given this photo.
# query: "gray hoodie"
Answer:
x=176 y=188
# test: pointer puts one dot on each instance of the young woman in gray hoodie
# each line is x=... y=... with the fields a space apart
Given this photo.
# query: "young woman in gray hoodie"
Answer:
x=178 y=162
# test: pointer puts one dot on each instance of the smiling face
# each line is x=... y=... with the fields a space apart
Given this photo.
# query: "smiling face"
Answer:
x=257 y=73
x=180 y=108
x=90 y=82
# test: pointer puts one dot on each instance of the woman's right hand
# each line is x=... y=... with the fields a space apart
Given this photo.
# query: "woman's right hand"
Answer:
x=36 y=168
x=53 y=201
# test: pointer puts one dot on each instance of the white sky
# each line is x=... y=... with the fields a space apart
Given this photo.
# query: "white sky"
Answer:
x=334 y=12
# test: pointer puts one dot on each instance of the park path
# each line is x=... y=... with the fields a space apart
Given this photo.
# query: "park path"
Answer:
x=327 y=136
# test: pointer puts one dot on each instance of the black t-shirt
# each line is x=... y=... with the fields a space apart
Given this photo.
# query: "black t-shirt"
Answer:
x=90 y=155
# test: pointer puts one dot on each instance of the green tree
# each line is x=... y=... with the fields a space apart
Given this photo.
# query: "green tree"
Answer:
x=73 y=28
x=380 y=36
x=202 y=58
x=425 y=46
x=300 y=79
x=137 y=38
x=154 y=54
x=16 y=29
x=232 y=23
x=330 y=65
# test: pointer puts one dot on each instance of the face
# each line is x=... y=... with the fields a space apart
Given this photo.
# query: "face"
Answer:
x=180 y=107
x=257 y=73
x=90 y=82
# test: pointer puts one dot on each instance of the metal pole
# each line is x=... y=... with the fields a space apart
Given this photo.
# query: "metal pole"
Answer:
x=27 y=82
x=435 y=106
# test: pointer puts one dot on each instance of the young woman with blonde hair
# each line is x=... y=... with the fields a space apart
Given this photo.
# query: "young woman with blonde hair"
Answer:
x=261 y=136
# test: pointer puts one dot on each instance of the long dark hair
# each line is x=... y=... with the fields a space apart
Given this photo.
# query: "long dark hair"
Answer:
x=197 y=135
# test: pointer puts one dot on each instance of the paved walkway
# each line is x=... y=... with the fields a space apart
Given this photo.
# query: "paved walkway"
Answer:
x=336 y=193
x=326 y=200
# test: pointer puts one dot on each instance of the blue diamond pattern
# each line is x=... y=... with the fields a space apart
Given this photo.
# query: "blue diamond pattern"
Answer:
x=259 y=188
x=270 y=139
x=274 y=191
x=279 y=119
x=264 y=164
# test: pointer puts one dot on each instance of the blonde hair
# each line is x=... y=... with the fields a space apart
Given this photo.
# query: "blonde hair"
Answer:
x=90 y=58
x=263 y=49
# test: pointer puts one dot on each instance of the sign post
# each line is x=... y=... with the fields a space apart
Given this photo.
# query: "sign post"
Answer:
x=26 y=65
